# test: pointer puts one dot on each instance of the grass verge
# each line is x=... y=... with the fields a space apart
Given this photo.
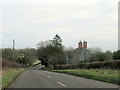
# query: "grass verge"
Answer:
x=110 y=76
x=10 y=76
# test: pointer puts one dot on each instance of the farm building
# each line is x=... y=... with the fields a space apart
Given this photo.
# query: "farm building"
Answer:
x=79 y=54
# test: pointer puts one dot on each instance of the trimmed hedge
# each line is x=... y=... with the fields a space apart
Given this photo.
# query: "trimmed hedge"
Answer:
x=114 y=64
x=72 y=66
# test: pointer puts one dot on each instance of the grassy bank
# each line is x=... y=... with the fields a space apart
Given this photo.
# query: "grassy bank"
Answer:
x=9 y=76
x=110 y=76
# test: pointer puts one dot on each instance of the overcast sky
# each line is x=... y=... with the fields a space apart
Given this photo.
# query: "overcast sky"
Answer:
x=32 y=21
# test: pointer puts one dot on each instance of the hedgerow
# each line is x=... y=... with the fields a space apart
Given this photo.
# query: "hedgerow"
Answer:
x=113 y=64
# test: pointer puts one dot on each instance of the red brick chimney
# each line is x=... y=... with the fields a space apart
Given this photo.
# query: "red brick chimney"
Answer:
x=80 y=44
x=84 y=44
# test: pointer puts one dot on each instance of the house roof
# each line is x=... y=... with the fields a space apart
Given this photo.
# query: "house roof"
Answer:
x=79 y=54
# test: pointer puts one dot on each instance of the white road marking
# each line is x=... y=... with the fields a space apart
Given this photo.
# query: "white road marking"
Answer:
x=43 y=74
x=46 y=76
x=49 y=77
x=61 y=84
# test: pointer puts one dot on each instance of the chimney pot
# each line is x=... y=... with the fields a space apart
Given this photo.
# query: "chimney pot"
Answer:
x=80 y=44
x=85 y=44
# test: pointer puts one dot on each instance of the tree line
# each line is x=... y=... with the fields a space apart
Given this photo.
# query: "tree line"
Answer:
x=52 y=53
x=98 y=55
x=23 y=56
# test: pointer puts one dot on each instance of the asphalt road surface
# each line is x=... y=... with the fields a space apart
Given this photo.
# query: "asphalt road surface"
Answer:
x=45 y=79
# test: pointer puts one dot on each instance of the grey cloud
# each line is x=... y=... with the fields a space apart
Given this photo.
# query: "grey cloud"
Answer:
x=73 y=21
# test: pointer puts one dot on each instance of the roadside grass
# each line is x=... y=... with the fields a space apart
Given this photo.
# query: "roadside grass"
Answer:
x=0 y=79
x=9 y=76
x=110 y=76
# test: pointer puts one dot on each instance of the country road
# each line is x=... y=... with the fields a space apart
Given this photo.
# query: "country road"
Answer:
x=45 y=79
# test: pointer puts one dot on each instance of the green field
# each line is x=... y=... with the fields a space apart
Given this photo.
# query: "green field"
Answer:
x=9 y=77
x=110 y=76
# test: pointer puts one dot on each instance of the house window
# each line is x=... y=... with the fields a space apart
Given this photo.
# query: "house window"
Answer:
x=82 y=58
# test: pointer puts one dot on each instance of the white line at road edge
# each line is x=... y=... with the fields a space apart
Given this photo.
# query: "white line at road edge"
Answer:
x=61 y=84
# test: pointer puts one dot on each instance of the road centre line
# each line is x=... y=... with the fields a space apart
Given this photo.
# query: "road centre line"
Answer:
x=61 y=84
x=46 y=76
x=49 y=77
x=43 y=74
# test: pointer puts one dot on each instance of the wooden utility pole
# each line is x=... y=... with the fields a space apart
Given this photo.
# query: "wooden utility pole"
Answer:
x=13 y=54
x=13 y=44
